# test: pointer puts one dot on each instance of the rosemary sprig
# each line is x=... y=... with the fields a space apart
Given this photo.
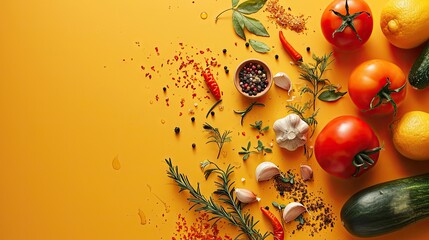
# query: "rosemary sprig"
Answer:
x=229 y=208
x=243 y=113
x=217 y=137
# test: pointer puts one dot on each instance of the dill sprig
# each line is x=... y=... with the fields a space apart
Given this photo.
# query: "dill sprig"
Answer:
x=217 y=137
x=233 y=209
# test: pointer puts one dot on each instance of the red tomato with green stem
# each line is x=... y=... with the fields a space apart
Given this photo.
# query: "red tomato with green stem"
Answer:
x=347 y=24
x=377 y=87
x=347 y=146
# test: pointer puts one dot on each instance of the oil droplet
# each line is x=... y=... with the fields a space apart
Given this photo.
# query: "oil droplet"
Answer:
x=162 y=121
x=142 y=217
x=203 y=15
x=116 y=164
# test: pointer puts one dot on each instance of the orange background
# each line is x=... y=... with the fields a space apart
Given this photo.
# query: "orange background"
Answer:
x=75 y=101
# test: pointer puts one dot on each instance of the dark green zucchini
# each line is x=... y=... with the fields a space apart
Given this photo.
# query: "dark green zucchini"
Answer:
x=387 y=207
x=418 y=76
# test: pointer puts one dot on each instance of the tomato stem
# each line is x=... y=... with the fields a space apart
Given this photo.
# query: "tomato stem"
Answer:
x=384 y=96
x=363 y=160
x=348 y=21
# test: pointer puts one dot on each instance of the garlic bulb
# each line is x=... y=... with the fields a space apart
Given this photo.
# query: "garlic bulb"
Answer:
x=282 y=80
x=291 y=132
x=292 y=211
x=266 y=170
x=245 y=196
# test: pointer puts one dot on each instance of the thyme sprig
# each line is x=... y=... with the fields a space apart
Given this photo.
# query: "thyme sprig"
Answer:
x=258 y=125
x=217 y=137
x=226 y=207
x=243 y=113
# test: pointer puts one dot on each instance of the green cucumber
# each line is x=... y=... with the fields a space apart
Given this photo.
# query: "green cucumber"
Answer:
x=387 y=207
x=418 y=76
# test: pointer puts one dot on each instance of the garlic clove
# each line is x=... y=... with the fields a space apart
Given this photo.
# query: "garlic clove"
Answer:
x=306 y=172
x=245 y=196
x=283 y=81
x=292 y=211
x=266 y=170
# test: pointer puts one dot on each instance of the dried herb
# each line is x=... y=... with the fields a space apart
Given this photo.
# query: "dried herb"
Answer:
x=217 y=137
x=243 y=113
x=228 y=208
x=241 y=21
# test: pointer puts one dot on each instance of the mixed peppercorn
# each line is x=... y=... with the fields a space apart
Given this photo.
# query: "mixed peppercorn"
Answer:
x=253 y=79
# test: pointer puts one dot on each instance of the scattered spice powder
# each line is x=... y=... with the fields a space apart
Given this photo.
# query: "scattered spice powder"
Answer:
x=201 y=229
x=321 y=215
x=285 y=19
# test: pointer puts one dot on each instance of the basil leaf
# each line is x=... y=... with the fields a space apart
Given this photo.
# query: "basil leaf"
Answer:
x=255 y=26
x=251 y=6
x=330 y=95
x=234 y=3
x=238 y=24
x=259 y=47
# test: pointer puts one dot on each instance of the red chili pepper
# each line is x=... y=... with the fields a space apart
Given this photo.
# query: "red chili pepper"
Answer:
x=211 y=83
x=278 y=231
x=289 y=49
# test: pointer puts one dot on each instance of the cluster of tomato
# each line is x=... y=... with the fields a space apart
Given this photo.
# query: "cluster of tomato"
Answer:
x=347 y=146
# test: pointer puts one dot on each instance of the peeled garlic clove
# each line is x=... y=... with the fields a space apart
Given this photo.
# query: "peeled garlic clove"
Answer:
x=306 y=172
x=266 y=170
x=282 y=80
x=245 y=196
x=292 y=211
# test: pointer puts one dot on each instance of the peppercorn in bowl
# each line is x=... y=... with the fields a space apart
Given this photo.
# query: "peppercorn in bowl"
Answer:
x=253 y=78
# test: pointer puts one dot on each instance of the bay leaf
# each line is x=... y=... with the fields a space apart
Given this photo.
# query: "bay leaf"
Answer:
x=255 y=26
x=330 y=95
x=238 y=24
x=258 y=46
x=251 y=6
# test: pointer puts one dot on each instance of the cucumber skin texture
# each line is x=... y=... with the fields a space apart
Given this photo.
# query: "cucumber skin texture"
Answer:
x=387 y=207
x=418 y=76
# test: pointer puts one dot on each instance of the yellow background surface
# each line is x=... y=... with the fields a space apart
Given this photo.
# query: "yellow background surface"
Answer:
x=75 y=99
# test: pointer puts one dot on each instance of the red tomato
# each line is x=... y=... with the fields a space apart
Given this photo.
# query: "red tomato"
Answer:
x=377 y=86
x=347 y=146
x=347 y=24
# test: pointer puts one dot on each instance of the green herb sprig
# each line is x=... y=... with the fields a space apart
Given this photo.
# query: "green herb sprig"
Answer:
x=243 y=113
x=258 y=125
x=217 y=137
x=241 y=21
x=319 y=88
x=228 y=208
x=259 y=149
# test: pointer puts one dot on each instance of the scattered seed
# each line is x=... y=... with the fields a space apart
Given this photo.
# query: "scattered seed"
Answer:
x=193 y=119
x=276 y=56
x=164 y=89
x=308 y=49
x=212 y=113
x=247 y=44
x=193 y=145
x=224 y=50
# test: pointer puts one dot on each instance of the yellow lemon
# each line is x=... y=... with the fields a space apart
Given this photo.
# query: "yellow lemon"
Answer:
x=411 y=135
x=405 y=23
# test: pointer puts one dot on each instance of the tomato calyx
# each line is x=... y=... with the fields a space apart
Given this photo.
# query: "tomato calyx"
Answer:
x=362 y=160
x=348 y=20
x=383 y=96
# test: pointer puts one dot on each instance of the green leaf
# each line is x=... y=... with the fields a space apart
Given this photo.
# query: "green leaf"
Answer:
x=255 y=26
x=268 y=150
x=330 y=95
x=238 y=24
x=275 y=204
x=259 y=47
x=234 y=3
x=245 y=157
x=251 y=6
